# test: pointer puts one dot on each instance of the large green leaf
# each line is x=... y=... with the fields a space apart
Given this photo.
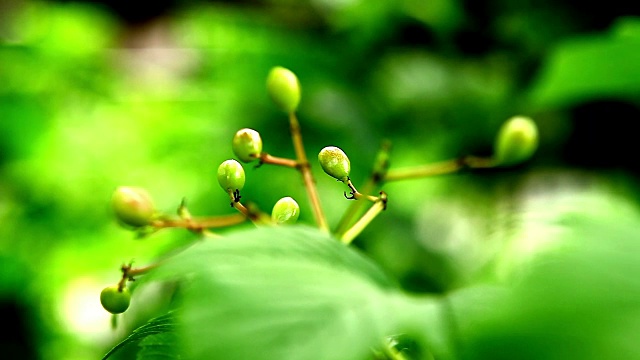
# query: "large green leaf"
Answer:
x=592 y=67
x=290 y=293
x=579 y=301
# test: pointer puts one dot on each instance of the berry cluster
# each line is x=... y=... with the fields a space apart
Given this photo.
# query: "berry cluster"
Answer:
x=516 y=142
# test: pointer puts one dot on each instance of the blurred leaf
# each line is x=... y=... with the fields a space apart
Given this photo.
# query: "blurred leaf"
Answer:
x=160 y=346
x=163 y=324
x=289 y=293
x=444 y=15
x=627 y=27
x=592 y=67
x=64 y=31
x=581 y=301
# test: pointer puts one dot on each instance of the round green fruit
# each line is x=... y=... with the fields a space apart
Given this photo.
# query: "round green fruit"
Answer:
x=285 y=211
x=516 y=142
x=335 y=163
x=132 y=206
x=284 y=88
x=231 y=175
x=115 y=301
x=247 y=145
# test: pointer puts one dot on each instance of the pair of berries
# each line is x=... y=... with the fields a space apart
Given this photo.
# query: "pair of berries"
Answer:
x=516 y=142
x=231 y=178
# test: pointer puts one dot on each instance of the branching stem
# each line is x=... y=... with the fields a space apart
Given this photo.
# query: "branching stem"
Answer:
x=129 y=273
x=380 y=166
x=250 y=212
x=199 y=224
x=305 y=170
x=439 y=168
x=274 y=160
x=355 y=194
x=362 y=223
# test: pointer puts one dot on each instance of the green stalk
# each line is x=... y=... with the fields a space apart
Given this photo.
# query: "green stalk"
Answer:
x=362 y=223
x=305 y=170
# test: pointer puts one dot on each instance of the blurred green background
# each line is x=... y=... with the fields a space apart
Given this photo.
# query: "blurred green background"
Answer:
x=94 y=95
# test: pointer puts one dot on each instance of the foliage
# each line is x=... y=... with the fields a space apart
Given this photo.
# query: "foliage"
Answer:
x=533 y=262
x=291 y=292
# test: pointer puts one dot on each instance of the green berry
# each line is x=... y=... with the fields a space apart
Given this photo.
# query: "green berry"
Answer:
x=335 y=163
x=132 y=206
x=247 y=145
x=516 y=142
x=285 y=211
x=284 y=88
x=115 y=301
x=231 y=175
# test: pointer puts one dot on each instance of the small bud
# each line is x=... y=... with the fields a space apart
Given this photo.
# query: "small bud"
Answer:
x=231 y=175
x=516 y=142
x=115 y=301
x=132 y=206
x=284 y=88
x=247 y=145
x=285 y=211
x=335 y=163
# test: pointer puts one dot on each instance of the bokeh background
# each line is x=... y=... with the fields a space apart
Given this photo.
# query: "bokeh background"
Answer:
x=94 y=95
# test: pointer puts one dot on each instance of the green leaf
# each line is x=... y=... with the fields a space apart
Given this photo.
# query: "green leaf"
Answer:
x=160 y=325
x=162 y=346
x=290 y=293
x=592 y=67
x=579 y=301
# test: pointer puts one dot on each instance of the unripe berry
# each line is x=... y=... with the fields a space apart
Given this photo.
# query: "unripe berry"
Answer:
x=285 y=211
x=284 y=88
x=335 y=163
x=132 y=206
x=115 y=301
x=231 y=175
x=516 y=142
x=247 y=145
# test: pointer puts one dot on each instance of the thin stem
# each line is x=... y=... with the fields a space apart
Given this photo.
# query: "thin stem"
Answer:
x=129 y=273
x=305 y=170
x=476 y=162
x=439 y=168
x=361 y=224
x=242 y=209
x=251 y=212
x=380 y=166
x=199 y=224
x=355 y=208
x=355 y=194
x=274 y=160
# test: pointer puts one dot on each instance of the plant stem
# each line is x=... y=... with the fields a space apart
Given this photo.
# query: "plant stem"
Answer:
x=199 y=224
x=129 y=272
x=250 y=212
x=355 y=194
x=439 y=168
x=380 y=167
x=274 y=160
x=242 y=209
x=305 y=170
x=362 y=223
